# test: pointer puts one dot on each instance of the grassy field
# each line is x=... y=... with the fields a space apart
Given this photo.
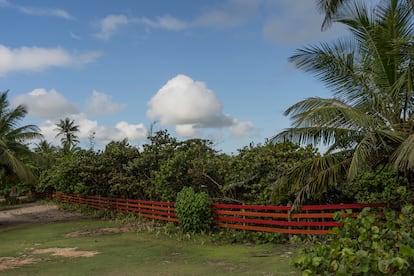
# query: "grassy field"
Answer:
x=130 y=253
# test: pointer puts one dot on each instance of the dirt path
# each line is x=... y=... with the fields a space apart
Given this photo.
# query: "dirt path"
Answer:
x=33 y=213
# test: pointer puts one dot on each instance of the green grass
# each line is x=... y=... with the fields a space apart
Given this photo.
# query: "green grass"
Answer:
x=138 y=253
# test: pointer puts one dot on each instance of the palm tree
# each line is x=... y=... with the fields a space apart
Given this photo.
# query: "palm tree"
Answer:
x=329 y=8
x=46 y=154
x=44 y=147
x=13 y=149
x=67 y=129
x=370 y=120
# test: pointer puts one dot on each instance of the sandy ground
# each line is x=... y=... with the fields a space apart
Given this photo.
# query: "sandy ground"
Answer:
x=33 y=213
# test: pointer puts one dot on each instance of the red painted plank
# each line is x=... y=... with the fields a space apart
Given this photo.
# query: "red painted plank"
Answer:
x=250 y=207
x=281 y=223
x=278 y=230
x=251 y=214
x=342 y=206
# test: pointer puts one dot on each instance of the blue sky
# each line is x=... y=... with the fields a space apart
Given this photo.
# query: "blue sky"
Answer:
x=207 y=69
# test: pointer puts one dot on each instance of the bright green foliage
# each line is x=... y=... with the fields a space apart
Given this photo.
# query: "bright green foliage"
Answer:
x=164 y=166
x=382 y=185
x=193 y=210
x=159 y=150
x=93 y=173
x=251 y=176
x=193 y=163
x=366 y=245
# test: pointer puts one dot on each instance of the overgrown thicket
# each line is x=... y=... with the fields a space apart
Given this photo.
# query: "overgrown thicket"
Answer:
x=367 y=245
x=164 y=166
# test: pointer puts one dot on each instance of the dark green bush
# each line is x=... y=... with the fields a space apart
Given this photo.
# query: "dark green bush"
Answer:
x=382 y=185
x=366 y=245
x=193 y=210
x=228 y=235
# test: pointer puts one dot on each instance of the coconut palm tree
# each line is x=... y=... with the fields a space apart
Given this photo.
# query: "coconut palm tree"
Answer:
x=13 y=137
x=370 y=120
x=66 y=129
x=329 y=8
x=44 y=147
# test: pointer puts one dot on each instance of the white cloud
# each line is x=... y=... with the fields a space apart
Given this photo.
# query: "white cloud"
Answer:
x=226 y=15
x=191 y=107
x=53 y=106
x=294 y=23
x=4 y=3
x=37 y=59
x=110 y=24
x=102 y=104
x=187 y=130
x=230 y=14
x=46 y=104
x=45 y=12
x=184 y=101
x=163 y=22
x=37 y=11
x=243 y=129
x=132 y=132
x=103 y=134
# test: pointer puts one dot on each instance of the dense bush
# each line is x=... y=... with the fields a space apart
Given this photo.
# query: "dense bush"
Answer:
x=367 y=245
x=193 y=210
x=162 y=167
x=382 y=185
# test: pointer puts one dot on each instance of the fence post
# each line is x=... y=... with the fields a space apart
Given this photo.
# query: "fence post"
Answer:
x=290 y=227
x=244 y=217
x=169 y=208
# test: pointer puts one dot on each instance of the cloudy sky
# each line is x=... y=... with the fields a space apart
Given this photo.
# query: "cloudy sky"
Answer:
x=214 y=69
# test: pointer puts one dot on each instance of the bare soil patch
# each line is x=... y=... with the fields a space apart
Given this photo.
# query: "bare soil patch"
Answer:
x=70 y=252
x=34 y=213
x=10 y=262
x=30 y=258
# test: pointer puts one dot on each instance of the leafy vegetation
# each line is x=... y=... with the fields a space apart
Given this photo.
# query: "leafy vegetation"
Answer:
x=368 y=245
x=164 y=166
x=15 y=156
x=193 y=211
x=369 y=122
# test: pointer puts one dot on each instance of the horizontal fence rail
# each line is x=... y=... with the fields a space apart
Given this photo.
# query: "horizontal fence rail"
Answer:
x=310 y=219
x=149 y=209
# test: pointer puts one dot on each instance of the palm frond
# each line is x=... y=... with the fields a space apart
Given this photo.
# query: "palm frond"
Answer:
x=403 y=157
x=314 y=176
x=329 y=7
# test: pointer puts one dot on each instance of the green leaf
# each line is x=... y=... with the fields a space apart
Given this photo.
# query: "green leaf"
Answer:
x=316 y=261
x=406 y=251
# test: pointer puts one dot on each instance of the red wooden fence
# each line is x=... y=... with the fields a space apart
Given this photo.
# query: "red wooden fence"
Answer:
x=149 y=209
x=310 y=219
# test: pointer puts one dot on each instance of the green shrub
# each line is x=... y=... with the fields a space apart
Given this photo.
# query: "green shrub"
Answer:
x=366 y=245
x=228 y=235
x=193 y=210
x=381 y=185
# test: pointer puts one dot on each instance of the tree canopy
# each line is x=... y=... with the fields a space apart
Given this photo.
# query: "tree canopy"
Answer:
x=369 y=121
x=14 y=152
